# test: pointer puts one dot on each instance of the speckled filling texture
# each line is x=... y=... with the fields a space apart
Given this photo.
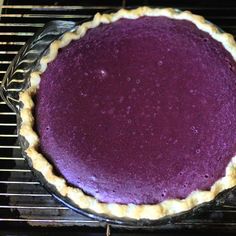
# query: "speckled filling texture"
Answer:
x=139 y=111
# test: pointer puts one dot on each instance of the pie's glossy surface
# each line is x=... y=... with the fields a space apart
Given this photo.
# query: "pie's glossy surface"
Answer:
x=139 y=111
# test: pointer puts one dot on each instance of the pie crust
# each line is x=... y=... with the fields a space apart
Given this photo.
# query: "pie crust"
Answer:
x=76 y=195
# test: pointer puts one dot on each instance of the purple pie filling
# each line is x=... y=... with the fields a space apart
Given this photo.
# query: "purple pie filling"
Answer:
x=139 y=111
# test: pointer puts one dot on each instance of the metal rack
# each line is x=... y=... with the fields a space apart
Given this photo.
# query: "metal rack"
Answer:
x=22 y=199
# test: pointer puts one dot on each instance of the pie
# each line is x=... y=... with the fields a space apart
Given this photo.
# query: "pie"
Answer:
x=133 y=114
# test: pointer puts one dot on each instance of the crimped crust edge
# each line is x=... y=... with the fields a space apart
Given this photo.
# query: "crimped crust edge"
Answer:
x=76 y=195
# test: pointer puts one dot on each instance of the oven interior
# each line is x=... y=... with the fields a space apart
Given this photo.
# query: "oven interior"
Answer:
x=24 y=204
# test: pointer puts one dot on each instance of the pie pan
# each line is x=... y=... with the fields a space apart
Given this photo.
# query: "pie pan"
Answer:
x=17 y=79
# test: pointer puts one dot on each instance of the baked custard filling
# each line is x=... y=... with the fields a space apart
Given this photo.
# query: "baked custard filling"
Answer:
x=139 y=111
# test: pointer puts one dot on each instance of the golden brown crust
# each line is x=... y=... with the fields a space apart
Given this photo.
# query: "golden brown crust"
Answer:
x=40 y=163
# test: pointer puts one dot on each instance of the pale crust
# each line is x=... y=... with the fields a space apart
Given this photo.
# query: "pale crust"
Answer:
x=83 y=201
